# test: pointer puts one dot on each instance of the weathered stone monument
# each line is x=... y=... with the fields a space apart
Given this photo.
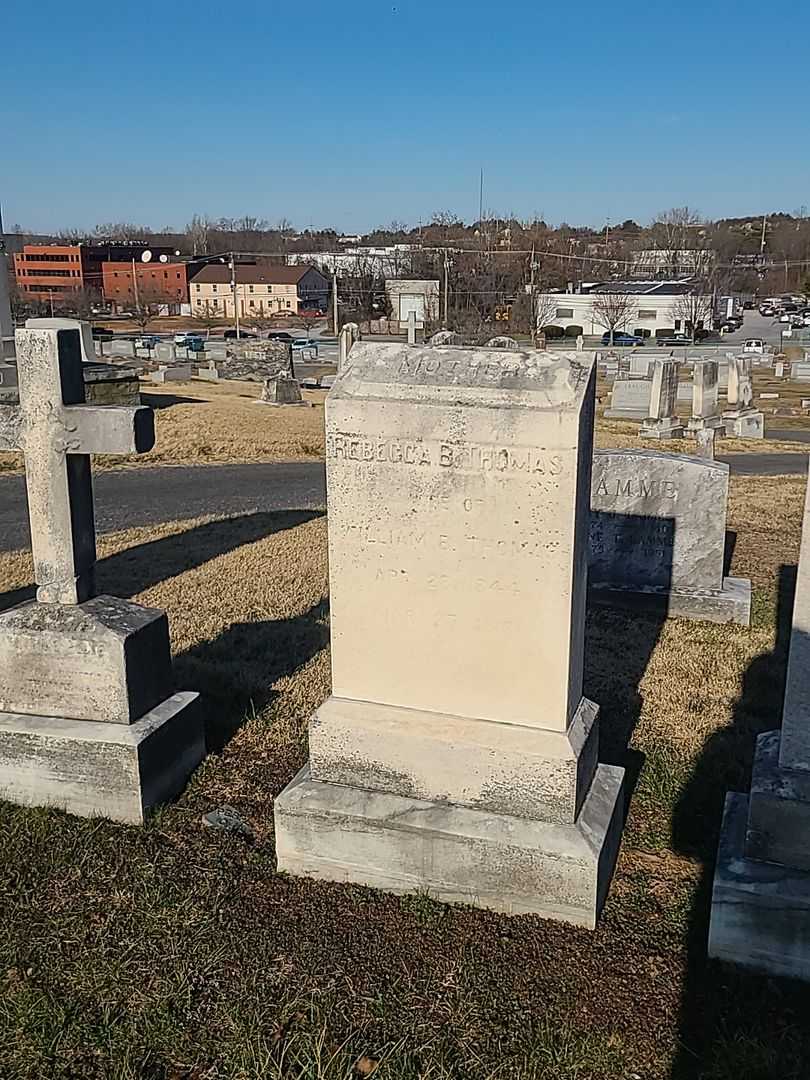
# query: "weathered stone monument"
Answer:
x=457 y=753
x=630 y=399
x=639 y=367
x=89 y=722
x=281 y=389
x=80 y=325
x=166 y=373
x=446 y=337
x=705 y=395
x=760 y=915
x=503 y=341
x=349 y=334
x=657 y=536
x=741 y=419
x=662 y=421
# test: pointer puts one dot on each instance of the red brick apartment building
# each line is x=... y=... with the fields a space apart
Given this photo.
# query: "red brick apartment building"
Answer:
x=156 y=283
x=49 y=271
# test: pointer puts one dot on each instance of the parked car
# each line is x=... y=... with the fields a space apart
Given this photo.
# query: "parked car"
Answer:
x=192 y=342
x=728 y=326
x=279 y=335
x=230 y=335
x=675 y=339
x=146 y=341
x=754 y=345
x=101 y=333
x=621 y=338
x=767 y=310
x=305 y=347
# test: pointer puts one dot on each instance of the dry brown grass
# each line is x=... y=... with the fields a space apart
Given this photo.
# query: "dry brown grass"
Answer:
x=256 y=966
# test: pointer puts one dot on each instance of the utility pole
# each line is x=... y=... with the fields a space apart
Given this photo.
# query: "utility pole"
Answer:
x=532 y=304
x=235 y=297
x=762 y=241
x=446 y=292
x=335 y=301
x=134 y=289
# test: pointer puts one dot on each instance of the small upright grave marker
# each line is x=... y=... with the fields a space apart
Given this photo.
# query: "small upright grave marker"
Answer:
x=89 y=720
x=662 y=421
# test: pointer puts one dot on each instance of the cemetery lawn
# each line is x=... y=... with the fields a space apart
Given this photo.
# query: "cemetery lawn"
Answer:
x=175 y=952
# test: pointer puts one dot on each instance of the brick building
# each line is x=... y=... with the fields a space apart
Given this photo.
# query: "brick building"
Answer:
x=60 y=272
x=127 y=284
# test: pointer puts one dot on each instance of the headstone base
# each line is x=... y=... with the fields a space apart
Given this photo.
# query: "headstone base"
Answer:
x=701 y=423
x=760 y=913
x=514 y=769
x=748 y=425
x=510 y=864
x=669 y=428
x=778 y=808
x=732 y=603
x=91 y=769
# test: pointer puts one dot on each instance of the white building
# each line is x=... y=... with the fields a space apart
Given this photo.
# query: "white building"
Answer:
x=675 y=263
x=385 y=261
x=651 y=306
x=406 y=295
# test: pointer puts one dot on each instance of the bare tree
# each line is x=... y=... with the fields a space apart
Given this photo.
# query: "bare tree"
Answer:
x=148 y=307
x=545 y=311
x=680 y=234
x=198 y=233
x=209 y=316
x=614 y=311
x=695 y=308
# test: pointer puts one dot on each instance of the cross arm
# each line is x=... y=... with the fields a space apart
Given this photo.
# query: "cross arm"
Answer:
x=10 y=428
x=109 y=429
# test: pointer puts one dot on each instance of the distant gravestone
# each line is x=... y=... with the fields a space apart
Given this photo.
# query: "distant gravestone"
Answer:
x=90 y=722
x=684 y=393
x=281 y=389
x=172 y=373
x=639 y=367
x=705 y=396
x=741 y=419
x=630 y=399
x=779 y=369
x=657 y=536
x=446 y=337
x=662 y=421
x=503 y=341
x=801 y=371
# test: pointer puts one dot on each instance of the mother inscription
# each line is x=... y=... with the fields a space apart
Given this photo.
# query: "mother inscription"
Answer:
x=657 y=534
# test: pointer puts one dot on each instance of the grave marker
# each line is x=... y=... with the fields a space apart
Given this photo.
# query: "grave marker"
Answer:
x=630 y=399
x=657 y=536
x=705 y=396
x=458 y=491
x=662 y=421
x=89 y=721
x=760 y=914
x=741 y=419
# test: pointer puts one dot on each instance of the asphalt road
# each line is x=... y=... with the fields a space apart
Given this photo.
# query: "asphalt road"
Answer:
x=135 y=497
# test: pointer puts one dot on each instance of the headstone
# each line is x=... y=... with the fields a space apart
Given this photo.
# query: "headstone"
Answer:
x=705 y=396
x=447 y=337
x=684 y=393
x=760 y=914
x=704 y=443
x=209 y=371
x=741 y=419
x=639 y=367
x=166 y=352
x=90 y=722
x=84 y=329
x=172 y=373
x=327 y=381
x=309 y=382
x=630 y=399
x=458 y=490
x=580 y=343
x=349 y=333
x=281 y=389
x=6 y=320
x=800 y=371
x=779 y=369
x=411 y=327
x=502 y=341
x=768 y=397
x=111 y=384
x=657 y=535
x=662 y=421
x=8 y=381
x=611 y=369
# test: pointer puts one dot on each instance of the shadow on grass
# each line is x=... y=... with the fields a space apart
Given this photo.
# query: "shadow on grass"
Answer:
x=129 y=572
x=735 y=1025
x=236 y=671
x=165 y=401
x=618 y=646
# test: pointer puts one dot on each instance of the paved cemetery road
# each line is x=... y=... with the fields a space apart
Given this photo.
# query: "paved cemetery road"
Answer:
x=133 y=497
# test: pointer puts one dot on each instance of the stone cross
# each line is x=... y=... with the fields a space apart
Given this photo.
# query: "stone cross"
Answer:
x=57 y=432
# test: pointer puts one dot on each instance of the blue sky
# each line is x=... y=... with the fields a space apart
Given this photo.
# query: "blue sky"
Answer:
x=356 y=113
